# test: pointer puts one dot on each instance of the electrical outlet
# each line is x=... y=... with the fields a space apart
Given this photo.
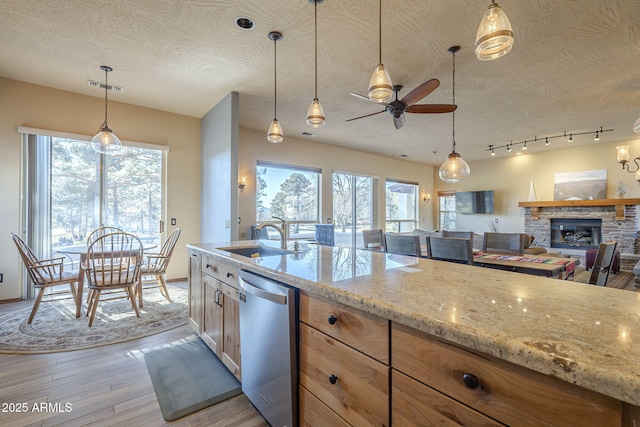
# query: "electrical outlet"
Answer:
x=227 y=223
x=173 y=221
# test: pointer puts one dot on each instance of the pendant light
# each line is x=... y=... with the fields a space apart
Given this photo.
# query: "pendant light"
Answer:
x=274 y=134
x=495 y=35
x=380 y=86
x=105 y=141
x=454 y=169
x=315 y=115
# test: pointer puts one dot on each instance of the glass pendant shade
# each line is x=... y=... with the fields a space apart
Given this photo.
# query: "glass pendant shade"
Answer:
x=315 y=115
x=380 y=86
x=454 y=169
x=106 y=141
x=495 y=35
x=623 y=153
x=274 y=134
x=636 y=126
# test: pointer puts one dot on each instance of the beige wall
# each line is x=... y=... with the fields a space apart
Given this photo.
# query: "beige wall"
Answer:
x=300 y=152
x=510 y=178
x=23 y=104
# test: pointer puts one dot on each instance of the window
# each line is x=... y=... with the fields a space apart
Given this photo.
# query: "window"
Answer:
x=70 y=189
x=402 y=206
x=290 y=193
x=353 y=207
x=447 y=210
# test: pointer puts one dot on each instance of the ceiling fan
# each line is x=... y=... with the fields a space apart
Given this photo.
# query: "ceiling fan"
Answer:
x=408 y=104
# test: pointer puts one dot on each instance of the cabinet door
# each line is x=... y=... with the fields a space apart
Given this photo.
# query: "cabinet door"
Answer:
x=212 y=326
x=231 y=324
x=195 y=291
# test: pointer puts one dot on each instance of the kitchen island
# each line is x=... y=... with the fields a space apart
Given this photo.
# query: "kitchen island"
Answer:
x=571 y=340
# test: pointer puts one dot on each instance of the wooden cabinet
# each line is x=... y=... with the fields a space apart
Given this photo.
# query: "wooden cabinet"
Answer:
x=195 y=291
x=213 y=301
x=338 y=376
x=505 y=392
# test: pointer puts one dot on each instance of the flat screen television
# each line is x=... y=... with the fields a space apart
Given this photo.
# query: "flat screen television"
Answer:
x=474 y=202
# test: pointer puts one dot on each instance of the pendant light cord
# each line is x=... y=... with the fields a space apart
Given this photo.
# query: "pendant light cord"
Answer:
x=315 y=20
x=380 y=34
x=275 y=80
x=453 y=114
x=106 y=91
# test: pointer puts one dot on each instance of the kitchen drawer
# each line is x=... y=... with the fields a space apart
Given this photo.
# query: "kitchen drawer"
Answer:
x=314 y=413
x=501 y=390
x=363 y=331
x=360 y=392
x=415 y=404
x=220 y=270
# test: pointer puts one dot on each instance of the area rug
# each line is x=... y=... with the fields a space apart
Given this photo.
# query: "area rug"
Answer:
x=188 y=377
x=55 y=327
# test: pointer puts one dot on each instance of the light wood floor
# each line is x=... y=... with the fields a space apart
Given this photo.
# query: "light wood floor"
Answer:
x=106 y=386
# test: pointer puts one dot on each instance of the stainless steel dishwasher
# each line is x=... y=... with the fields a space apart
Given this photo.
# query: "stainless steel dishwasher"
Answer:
x=269 y=357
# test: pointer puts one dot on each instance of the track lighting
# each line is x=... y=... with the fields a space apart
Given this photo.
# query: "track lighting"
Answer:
x=509 y=146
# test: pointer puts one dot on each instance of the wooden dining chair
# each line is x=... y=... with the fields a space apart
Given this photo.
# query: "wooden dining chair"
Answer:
x=155 y=264
x=402 y=244
x=506 y=243
x=101 y=231
x=113 y=263
x=46 y=273
x=373 y=240
x=603 y=263
x=453 y=249
x=458 y=234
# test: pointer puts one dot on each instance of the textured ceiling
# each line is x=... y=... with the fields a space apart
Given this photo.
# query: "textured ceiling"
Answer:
x=575 y=65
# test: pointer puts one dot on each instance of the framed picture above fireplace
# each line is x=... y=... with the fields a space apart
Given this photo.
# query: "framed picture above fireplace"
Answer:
x=584 y=185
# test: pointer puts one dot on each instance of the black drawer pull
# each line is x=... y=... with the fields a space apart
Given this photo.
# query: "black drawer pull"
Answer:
x=229 y=274
x=208 y=266
x=333 y=379
x=332 y=319
x=471 y=381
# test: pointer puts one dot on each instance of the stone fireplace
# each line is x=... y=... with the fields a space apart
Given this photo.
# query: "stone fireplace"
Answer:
x=575 y=233
x=618 y=218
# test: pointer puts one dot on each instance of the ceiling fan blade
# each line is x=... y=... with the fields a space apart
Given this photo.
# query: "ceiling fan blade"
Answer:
x=420 y=92
x=399 y=121
x=366 y=98
x=431 y=108
x=362 y=117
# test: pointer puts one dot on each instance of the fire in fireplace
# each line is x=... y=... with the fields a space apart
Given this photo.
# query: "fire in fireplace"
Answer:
x=576 y=233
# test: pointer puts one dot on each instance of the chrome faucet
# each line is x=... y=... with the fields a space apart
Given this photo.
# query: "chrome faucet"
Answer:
x=280 y=229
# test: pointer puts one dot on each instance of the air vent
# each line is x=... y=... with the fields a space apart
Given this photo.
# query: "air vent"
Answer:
x=308 y=134
x=102 y=85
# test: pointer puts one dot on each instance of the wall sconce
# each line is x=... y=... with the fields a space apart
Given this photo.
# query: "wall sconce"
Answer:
x=623 y=159
x=426 y=198
x=242 y=184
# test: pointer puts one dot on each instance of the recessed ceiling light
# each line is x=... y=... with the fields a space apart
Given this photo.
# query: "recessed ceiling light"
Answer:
x=308 y=133
x=245 y=23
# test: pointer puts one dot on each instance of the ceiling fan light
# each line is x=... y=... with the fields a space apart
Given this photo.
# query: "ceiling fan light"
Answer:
x=454 y=169
x=315 y=115
x=274 y=134
x=105 y=141
x=380 y=86
x=495 y=35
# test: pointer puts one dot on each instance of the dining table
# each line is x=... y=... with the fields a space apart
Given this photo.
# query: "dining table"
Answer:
x=538 y=265
x=83 y=252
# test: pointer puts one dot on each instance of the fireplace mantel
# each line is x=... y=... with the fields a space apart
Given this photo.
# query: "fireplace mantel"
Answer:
x=618 y=203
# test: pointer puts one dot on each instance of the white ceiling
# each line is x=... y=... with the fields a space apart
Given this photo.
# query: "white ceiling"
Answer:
x=575 y=65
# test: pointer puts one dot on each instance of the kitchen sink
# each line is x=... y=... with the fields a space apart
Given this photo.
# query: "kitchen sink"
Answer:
x=257 y=251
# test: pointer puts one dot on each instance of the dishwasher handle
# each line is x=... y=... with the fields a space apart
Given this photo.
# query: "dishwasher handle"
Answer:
x=261 y=293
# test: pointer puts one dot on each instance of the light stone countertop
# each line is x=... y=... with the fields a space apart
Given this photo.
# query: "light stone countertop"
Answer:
x=579 y=333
